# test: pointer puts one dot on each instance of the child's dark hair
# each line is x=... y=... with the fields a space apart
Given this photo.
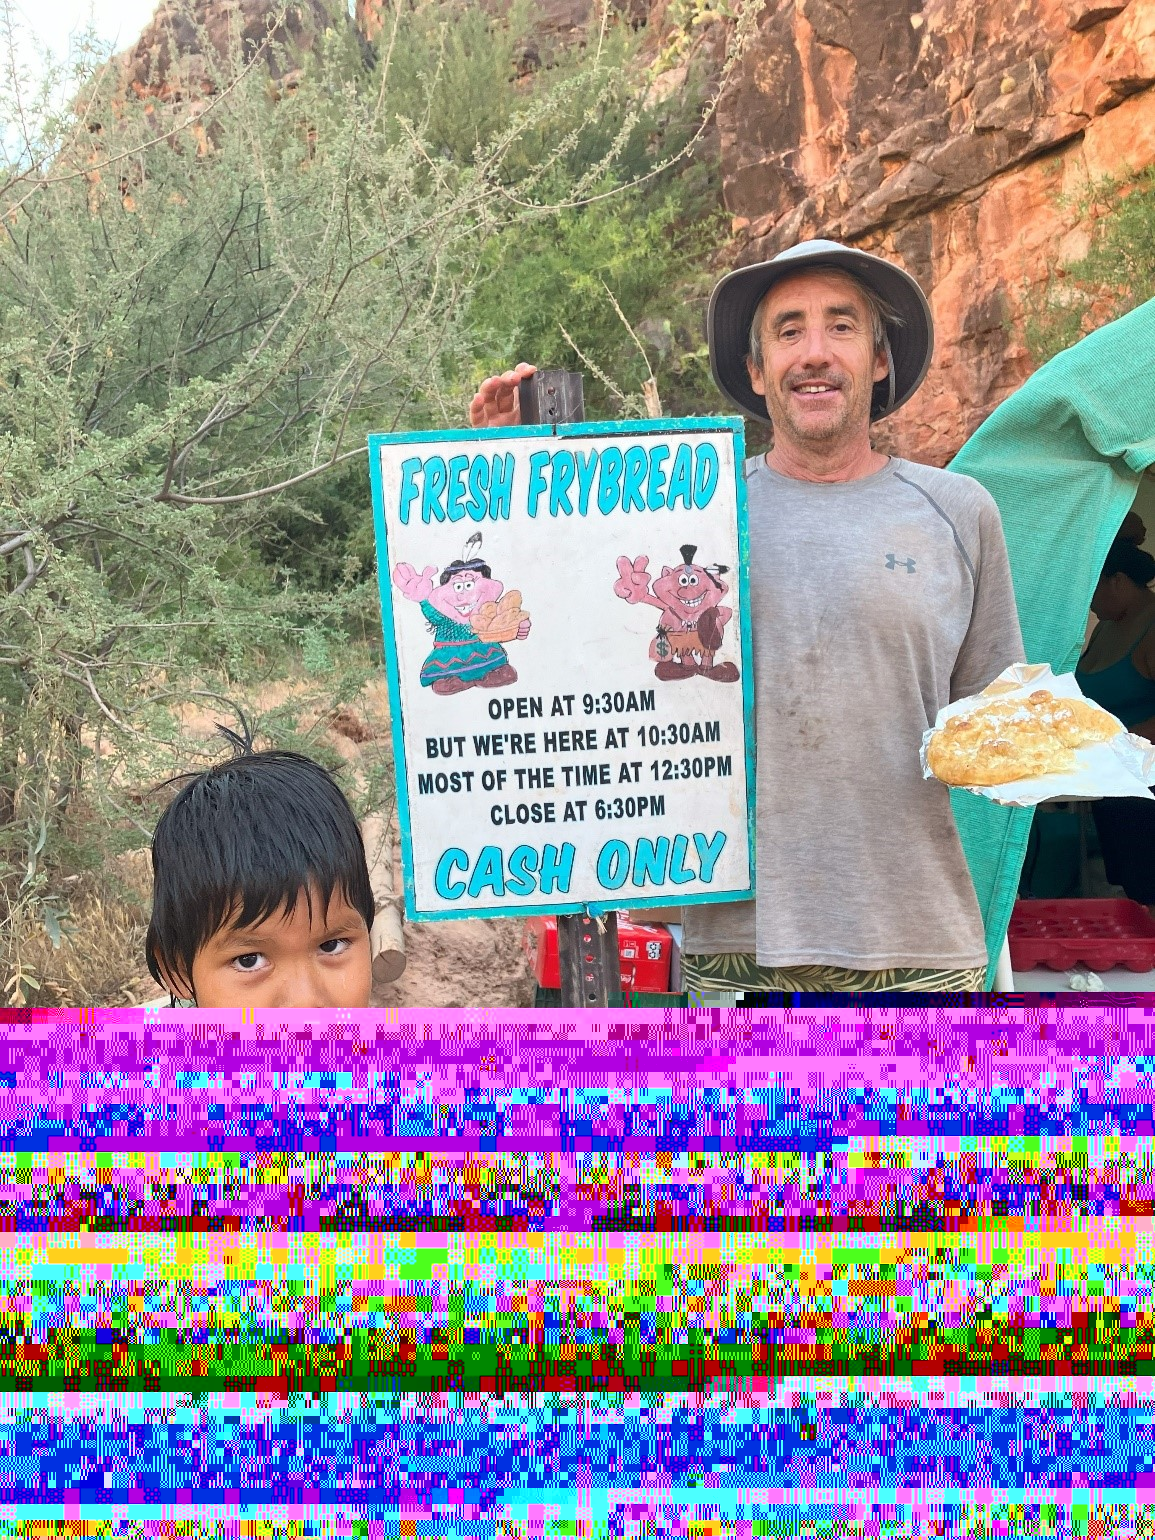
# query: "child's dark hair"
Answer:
x=250 y=835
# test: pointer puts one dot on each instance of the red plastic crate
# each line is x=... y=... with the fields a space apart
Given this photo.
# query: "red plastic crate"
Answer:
x=644 y=953
x=1097 y=933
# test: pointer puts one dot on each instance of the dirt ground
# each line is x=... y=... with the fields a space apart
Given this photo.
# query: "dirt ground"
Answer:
x=462 y=963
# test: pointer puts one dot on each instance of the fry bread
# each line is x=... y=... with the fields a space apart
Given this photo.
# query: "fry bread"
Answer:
x=1017 y=740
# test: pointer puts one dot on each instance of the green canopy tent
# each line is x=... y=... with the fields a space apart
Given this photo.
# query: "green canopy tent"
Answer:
x=1062 y=457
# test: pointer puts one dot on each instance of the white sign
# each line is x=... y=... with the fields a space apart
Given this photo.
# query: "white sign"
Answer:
x=568 y=648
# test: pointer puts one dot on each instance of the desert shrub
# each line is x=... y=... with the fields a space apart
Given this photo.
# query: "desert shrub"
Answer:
x=208 y=296
x=1117 y=273
x=94 y=953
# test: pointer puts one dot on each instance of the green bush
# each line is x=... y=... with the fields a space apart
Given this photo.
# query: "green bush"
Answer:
x=203 y=311
x=1117 y=273
x=651 y=249
x=590 y=216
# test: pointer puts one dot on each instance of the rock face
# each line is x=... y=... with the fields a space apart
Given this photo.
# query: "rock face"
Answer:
x=946 y=135
x=180 y=60
x=953 y=135
x=179 y=55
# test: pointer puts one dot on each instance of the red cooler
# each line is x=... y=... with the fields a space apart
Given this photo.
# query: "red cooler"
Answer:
x=643 y=954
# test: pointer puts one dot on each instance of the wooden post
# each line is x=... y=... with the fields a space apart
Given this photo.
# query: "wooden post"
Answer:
x=587 y=944
x=386 y=939
x=552 y=396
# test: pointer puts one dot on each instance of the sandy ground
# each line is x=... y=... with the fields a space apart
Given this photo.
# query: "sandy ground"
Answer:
x=462 y=963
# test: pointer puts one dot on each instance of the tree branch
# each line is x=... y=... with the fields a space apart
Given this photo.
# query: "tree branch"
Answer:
x=84 y=677
x=247 y=497
x=33 y=572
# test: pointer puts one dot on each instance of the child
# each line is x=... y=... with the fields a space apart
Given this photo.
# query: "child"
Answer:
x=261 y=893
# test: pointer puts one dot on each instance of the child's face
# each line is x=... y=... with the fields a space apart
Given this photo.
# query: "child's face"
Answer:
x=309 y=958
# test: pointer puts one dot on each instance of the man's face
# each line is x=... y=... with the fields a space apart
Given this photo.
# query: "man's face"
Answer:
x=819 y=362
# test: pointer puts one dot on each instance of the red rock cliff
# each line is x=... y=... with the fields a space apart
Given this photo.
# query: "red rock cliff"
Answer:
x=945 y=136
x=180 y=53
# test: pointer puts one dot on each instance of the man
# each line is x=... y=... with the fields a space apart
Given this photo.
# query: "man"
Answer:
x=879 y=591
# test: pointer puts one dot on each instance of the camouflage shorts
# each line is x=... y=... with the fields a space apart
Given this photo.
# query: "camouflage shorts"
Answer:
x=738 y=973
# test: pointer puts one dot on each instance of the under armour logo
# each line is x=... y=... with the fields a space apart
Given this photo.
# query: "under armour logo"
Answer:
x=893 y=561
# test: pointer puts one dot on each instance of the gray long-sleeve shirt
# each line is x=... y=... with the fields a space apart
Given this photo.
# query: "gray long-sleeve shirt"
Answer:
x=873 y=603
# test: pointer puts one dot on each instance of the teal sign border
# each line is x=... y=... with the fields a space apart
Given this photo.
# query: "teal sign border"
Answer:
x=634 y=428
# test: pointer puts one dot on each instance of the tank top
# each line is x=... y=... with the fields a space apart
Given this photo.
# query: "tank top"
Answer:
x=1120 y=689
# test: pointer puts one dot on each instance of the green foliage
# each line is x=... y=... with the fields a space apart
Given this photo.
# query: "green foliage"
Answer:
x=320 y=536
x=650 y=249
x=1117 y=273
x=491 y=89
x=185 y=325
x=451 y=69
x=591 y=215
x=684 y=21
x=203 y=311
x=602 y=218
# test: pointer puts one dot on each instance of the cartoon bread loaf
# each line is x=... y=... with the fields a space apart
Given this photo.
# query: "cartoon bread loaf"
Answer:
x=501 y=620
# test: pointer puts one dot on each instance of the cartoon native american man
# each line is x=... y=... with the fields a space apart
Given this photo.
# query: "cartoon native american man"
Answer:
x=693 y=619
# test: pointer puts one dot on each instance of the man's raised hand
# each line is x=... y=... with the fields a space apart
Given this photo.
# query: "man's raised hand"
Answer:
x=496 y=404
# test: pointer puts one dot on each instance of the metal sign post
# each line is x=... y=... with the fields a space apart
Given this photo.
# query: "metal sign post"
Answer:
x=587 y=945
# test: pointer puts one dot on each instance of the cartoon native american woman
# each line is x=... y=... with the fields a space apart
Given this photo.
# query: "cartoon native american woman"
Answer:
x=469 y=618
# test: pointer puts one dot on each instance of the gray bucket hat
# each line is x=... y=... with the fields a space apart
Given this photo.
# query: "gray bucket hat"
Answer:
x=736 y=297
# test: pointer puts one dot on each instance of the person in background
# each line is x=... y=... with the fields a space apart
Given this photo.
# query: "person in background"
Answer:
x=1133 y=528
x=1117 y=670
